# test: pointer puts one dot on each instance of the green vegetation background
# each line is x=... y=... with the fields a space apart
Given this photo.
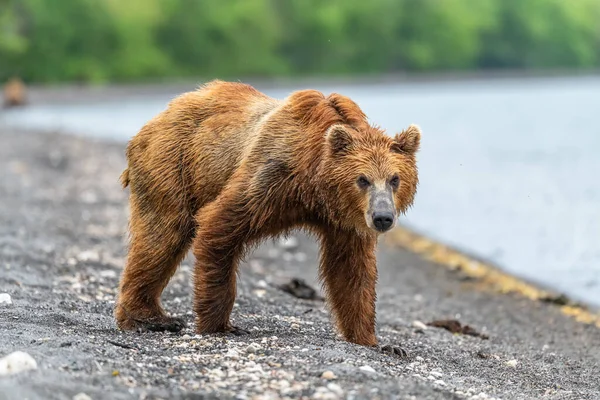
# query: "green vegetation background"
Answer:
x=127 y=40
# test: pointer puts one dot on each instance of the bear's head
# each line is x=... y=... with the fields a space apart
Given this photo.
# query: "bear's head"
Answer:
x=371 y=176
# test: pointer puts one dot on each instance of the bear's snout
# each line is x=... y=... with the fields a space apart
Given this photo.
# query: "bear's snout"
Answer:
x=383 y=220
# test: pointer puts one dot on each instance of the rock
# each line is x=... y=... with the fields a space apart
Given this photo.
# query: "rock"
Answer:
x=440 y=382
x=512 y=363
x=419 y=325
x=329 y=375
x=5 y=298
x=262 y=284
x=88 y=255
x=16 y=362
x=322 y=393
x=253 y=348
x=108 y=273
x=335 y=388
x=437 y=374
x=81 y=396
x=367 y=368
x=295 y=326
x=289 y=243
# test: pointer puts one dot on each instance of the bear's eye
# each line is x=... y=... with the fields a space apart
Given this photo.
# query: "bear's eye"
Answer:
x=395 y=181
x=363 y=182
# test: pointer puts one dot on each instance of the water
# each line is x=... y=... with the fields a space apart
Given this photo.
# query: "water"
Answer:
x=509 y=169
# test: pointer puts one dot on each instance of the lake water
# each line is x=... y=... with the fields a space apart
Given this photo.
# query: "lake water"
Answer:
x=509 y=169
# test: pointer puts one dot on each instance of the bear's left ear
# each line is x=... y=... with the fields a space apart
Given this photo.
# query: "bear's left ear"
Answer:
x=339 y=139
x=407 y=141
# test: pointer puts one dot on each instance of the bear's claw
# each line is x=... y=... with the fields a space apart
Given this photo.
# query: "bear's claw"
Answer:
x=237 y=331
x=394 y=351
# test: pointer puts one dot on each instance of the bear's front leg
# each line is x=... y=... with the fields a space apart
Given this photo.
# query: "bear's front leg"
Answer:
x=349 y=272
x=218 y=246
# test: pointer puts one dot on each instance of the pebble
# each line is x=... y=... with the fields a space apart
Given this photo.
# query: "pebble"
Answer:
x=419 y=325
x=262 y=284
x=440 y=382
x=295 y=326
x=322 y=393
x=289 y=243
x=108 y=273
x=335 y=388
x=88 y=255
x=512 y=363
x=252 y=348
x=437 y=374
x=81 y=396
x=16 y=362
x=367 y=368
x=5 y=298
x=329 y=375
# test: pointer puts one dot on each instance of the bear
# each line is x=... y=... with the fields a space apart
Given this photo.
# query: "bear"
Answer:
x=225 y=166
x=14 y=93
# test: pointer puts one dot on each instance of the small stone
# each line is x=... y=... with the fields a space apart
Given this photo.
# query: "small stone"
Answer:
x=295 y=326
x=262 y=284
x=419 y=325
x=437 y=374
x=5 y=298
x=335 y=388
x=108 y=273
x=440 y=382
x=512 y=363
x=88 y=255
x=16 y=362
x=322 y=393
x=186 y=337
x=367 y=368
x=289 y=243
x=81 y=396
x=329 y=375
x=253 y=348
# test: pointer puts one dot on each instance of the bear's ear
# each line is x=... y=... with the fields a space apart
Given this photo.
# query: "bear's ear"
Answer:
x=339 y=139
x=407 y=141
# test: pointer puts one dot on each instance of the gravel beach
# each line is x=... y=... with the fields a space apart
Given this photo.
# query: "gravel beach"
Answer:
x=63 y=220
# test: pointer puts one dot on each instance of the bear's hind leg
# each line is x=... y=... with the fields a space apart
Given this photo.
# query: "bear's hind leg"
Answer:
x=159 y=242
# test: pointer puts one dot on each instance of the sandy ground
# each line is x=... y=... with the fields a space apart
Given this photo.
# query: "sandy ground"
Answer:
x=62 y=246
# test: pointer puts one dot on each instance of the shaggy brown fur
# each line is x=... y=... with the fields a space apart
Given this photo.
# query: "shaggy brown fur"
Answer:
x=14 y=93
x=226 y=166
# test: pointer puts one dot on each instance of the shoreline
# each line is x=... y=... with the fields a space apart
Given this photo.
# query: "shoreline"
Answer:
x=72 y=92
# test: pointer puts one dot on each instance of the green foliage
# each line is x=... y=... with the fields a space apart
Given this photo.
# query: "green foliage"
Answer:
x=101 y=40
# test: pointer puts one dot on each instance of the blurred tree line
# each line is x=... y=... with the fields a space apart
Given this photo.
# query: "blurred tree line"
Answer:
x=101 y=40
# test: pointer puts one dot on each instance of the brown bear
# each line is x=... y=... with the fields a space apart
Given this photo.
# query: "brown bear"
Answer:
x=225 y=166
x=14 y=93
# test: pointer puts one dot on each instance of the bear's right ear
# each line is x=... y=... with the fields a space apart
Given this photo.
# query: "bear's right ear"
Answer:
x=339 y=139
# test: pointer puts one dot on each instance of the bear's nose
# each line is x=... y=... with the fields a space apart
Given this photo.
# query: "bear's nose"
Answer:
x=383 y=220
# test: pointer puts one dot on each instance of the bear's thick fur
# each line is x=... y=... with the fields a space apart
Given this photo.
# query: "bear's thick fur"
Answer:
x=225 y=166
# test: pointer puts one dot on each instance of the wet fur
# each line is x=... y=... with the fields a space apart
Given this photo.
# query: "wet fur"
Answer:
x=224 y=167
